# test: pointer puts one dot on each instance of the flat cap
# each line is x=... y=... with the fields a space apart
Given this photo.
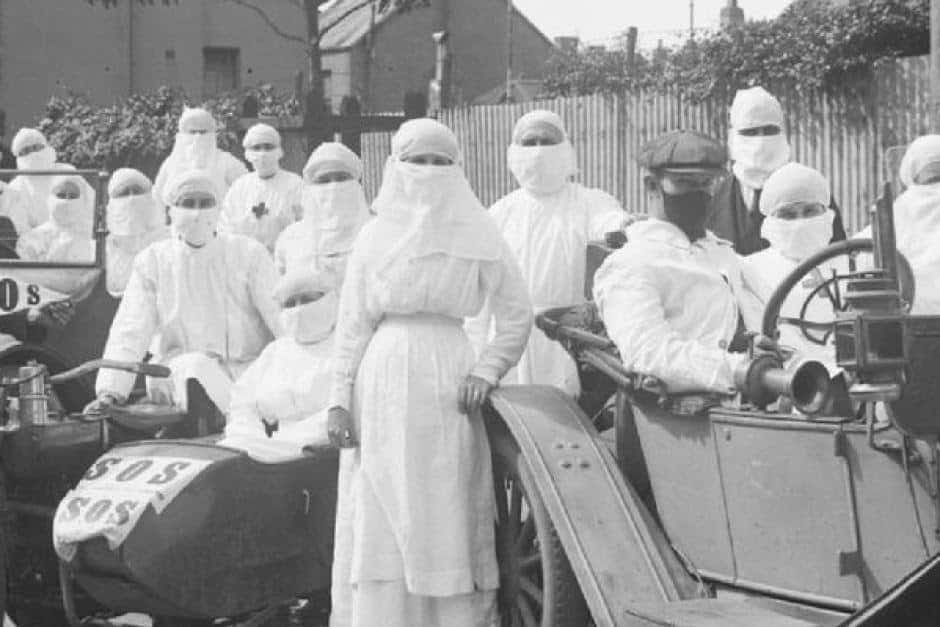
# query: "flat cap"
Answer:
x=683 y=150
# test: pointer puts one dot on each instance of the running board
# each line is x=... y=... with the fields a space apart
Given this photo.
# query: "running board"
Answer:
x=618 y=553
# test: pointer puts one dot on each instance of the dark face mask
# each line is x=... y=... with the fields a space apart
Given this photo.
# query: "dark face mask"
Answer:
x=688 y=212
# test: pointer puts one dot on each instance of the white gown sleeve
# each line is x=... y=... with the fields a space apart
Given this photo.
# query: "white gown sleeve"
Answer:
x=310 y=431
x=508 y=303
x=295 y=200
x=355 y=327
x=280 y=256
x=234 y=168
x=226 y=223
x=262 y=281
x=753 y=296
x=604 y=213
x=133 y=328
x=628 y=299
x=244 y=417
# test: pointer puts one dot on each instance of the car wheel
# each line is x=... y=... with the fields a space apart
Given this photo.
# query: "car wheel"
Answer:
x=537 y=585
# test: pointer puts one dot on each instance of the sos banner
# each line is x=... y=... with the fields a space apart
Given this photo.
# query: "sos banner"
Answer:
x=16 y=295
x=113 y=495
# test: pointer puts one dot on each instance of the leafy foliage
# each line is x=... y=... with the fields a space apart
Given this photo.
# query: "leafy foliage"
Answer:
x=139 y=131
x=812 y=45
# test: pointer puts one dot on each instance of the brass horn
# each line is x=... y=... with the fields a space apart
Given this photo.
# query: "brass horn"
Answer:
x=764 y=379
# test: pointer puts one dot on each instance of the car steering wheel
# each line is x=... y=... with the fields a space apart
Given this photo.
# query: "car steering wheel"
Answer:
x=830 y=287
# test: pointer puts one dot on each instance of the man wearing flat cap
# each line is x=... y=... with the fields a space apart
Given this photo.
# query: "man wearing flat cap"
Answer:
x=672 y=298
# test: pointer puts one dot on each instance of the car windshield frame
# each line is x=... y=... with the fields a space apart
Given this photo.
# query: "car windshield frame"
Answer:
x=99 y=229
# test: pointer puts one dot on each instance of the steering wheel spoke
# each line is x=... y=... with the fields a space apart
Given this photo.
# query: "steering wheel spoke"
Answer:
x=827 y=288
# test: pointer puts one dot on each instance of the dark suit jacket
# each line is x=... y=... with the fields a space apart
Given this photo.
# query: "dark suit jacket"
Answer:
x=729 y=218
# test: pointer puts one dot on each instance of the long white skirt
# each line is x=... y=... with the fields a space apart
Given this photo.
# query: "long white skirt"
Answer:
x=415 y=511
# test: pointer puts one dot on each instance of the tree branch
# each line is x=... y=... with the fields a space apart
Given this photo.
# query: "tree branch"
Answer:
x=267 y=19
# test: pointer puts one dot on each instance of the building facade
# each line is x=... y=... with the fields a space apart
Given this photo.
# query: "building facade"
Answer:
x=205 y=47
x=380 y=58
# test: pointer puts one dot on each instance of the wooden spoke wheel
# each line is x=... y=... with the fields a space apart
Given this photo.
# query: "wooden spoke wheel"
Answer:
x=537 y=586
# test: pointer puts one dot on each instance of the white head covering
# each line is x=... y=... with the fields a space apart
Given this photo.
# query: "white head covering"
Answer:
x=799 y=238
x=188 y=182
x=194 y=151
x=540 y=118
x=923 y=151
x=196 y=119
x=40 y=160
x=265 y=162
x=755 y=107
x=332 y=157
x=541 y=170
x=73 y=215
x=425 y=209
x=335 y=210
x=27 y=137
x=261 y=134
x=124 y=177
x=131 y=215
x=312 y=322
x=755 y=157
x=794 y=182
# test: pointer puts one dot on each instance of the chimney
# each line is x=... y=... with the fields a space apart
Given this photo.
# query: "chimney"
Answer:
x=568 y=45
x=732 y=16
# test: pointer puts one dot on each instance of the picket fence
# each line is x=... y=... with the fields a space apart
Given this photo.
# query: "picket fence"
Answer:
x=853 y=140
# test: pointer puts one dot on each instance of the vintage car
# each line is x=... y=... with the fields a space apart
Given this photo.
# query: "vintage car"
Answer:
x=688 y=510
x=702 y=510
x=46 y=379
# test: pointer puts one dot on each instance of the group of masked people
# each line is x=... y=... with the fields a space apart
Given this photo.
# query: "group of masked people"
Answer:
x=306 y=317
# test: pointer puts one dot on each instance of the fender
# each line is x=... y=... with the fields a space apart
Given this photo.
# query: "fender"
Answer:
x=619 y=555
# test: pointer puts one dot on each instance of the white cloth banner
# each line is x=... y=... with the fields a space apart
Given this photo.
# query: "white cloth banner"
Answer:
x=114 y=494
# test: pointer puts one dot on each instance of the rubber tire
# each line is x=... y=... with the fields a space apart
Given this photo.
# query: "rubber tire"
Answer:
x=562 y=602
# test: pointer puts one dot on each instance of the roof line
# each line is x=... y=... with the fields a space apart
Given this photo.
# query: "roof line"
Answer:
x=392 y=13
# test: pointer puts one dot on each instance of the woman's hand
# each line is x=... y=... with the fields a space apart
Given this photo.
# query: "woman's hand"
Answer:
x=471 y=394
x=339 y=428
x=100 y=404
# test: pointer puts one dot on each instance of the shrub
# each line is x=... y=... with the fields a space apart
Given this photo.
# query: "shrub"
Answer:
x=139 y=130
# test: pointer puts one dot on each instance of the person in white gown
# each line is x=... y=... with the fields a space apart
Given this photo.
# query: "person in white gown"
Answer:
x=205 y=296
x=279 y=403
x=797 y=223
x=134 y=222
x=917 y=221
x=334 y=210
x=548 y=223
x=196 y=148
x=414 y=526
x=33 y=152
x=262 y=203
x=67 y=236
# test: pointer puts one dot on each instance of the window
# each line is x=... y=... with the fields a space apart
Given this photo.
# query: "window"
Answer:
x=220 y=72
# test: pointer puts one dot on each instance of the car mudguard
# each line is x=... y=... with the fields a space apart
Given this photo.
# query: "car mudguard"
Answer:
x=618 y=553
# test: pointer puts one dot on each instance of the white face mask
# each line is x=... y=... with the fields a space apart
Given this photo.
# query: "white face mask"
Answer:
x=130 y=215
x=755 y=158
x=194 y=226
x=311 y=322
x=196 y=149
x=71 y=215
x=426 y=186
x=264 y=162
x=332 y=206
x=40 y=160
x=800 y=238
x=541 y=169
